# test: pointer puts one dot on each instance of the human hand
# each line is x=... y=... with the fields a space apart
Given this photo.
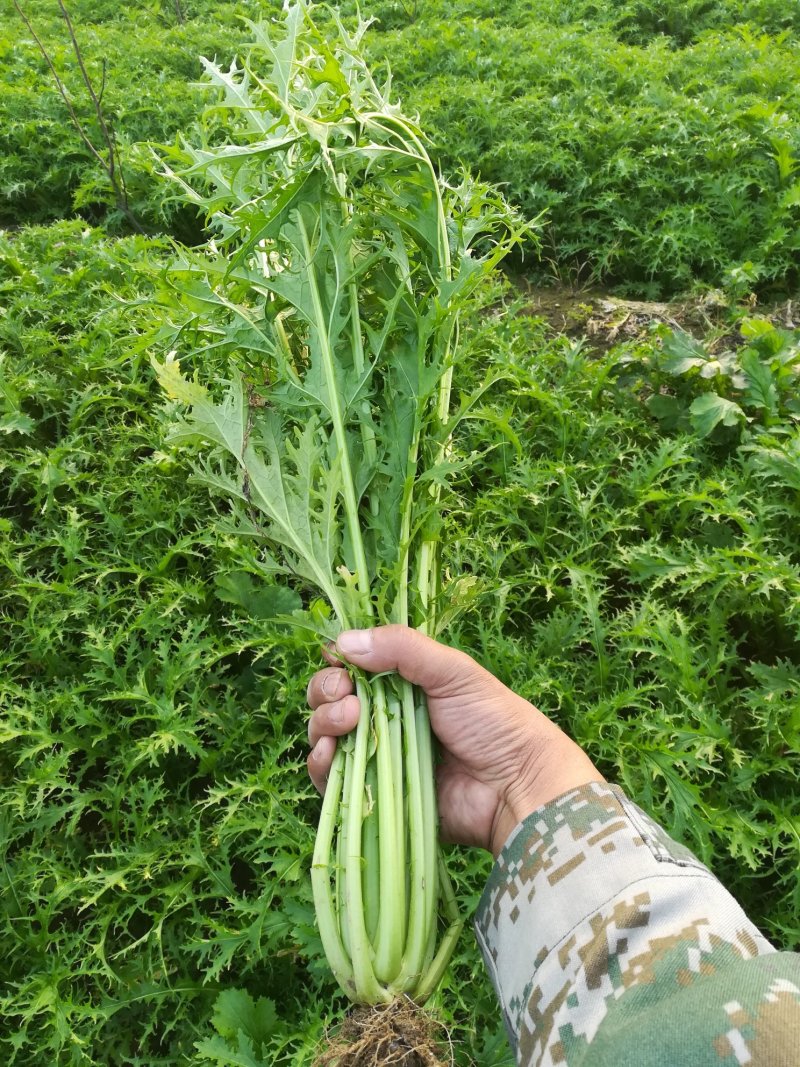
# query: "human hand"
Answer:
x=501 y=758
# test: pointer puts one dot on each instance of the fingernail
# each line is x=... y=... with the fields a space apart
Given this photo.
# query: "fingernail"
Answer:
x=330 y=683
x=354 y=642
x=336 y=713
x=315 y=751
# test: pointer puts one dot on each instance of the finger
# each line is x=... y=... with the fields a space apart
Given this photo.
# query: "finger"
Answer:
x=437 y=668
x=319 y=761
x=329 y=655
x=331 y=683
x=334 y=719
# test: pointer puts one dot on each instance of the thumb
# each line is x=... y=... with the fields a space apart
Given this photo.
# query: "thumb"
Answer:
x=434 y=667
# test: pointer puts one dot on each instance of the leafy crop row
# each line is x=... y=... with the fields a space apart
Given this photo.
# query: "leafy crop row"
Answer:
x=657 y=166
x=620 y=549
x=643 y=582
x=157 y=818
x=641 y=585
x=46 y=171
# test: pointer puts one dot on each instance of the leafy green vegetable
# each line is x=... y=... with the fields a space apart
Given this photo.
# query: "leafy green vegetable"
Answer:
x=338 y=268
x=708 y=410
x=754 y=382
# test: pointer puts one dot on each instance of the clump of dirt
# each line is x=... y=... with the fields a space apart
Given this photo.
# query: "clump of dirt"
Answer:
x=399 y=1033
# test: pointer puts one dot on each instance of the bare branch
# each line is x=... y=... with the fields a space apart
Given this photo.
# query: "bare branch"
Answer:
x=103 y=82
x=60 y=86
x=87 y=81
x=110 y=165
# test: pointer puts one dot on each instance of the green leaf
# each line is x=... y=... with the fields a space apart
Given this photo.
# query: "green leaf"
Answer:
x=220 y=1052
x=16 y=422
x=236 y=1011
x=752 y=327
x=259 y=600
x=761 y=391
x=791 y=197
x=222 y=424
x=667 y=409
x=684 y=353
x=780 y=463
x=709 y=410
x=236 y=92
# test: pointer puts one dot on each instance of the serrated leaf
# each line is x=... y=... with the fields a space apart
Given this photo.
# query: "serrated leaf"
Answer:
x=791 y=198
x=223 y=424
x=259 y=600
x=235 y=85
x=761 y=390
x=16 y=422
x=175 y=384
x=781 y=464
x=219 y=1051
x=235 y=1011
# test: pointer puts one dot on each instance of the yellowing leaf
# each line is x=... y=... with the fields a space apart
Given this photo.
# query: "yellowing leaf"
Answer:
x=175 y=385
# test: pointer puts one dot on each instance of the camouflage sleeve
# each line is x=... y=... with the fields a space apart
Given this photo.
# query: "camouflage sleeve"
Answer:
x=611 y=945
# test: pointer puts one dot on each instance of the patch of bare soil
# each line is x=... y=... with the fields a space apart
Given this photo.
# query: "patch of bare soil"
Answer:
x=608 y=320
x=399 y=1033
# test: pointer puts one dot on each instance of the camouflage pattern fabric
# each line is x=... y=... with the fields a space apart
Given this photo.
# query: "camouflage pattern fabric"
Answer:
x=610 y=945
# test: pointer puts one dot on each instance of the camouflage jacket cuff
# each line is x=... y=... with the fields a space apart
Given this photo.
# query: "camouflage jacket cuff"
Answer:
x=583 y=890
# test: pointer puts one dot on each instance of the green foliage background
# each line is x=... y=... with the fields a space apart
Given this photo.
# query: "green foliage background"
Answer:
x=631 y=563
x=662 y=140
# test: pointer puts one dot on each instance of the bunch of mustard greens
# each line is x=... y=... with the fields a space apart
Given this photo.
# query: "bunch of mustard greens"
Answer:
x=337 y=268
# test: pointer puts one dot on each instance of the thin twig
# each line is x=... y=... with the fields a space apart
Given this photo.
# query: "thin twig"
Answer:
x=98 y=108
x=103 y=82
x=60 y=86
x=111 y=165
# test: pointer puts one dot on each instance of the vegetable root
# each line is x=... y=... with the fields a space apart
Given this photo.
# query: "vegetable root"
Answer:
x=399 y=1034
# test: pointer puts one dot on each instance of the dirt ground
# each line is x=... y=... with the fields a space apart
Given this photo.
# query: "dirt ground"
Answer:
x=607 y=320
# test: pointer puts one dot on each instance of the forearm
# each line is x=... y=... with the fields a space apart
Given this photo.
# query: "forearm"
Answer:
x=600 y=930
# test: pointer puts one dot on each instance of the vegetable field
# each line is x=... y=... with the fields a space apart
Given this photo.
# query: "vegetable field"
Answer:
x=612 y=517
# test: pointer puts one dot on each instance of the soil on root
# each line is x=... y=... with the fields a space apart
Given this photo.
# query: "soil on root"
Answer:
x=399 y=1033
